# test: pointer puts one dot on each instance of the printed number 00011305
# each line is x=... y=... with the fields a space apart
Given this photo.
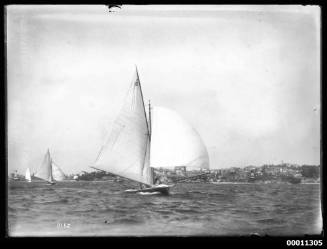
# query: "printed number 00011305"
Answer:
x=304 y=242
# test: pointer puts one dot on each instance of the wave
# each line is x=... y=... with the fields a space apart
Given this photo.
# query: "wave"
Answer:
x=187 y=211
x=148 y=193
x=125 y=220
x=165 y=211
x=81 y=211
x=270 y=221
x=10 y=209
x=62 y=201
x=113 y=210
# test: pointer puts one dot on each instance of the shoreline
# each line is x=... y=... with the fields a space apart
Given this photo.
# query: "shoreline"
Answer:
x=216 y=183
x=264 y=183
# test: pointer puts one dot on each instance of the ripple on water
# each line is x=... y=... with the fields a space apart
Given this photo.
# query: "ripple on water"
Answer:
x=132 y=220
x=167 y=212
x=186 y=211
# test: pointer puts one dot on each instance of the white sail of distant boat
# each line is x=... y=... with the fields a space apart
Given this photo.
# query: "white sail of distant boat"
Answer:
x=130 y=151
x=44 y=172
x=57 y=173
x=28 y=177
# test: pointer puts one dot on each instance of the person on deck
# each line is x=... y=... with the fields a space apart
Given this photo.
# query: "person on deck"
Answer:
x=160 y=180
x=157 y=180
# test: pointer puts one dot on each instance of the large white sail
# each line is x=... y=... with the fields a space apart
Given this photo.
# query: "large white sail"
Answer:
x=28 y=175
x=174 y=142
x=45 y=170
x=126 y=151
x=57 y=173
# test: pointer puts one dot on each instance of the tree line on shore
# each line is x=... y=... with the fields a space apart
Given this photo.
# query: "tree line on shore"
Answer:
x=265 y=173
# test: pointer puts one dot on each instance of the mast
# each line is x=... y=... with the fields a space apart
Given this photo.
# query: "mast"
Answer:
x=150 y=128
x=150 y=133
x=148 y=125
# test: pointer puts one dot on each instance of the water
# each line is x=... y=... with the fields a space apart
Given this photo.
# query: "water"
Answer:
x=104 y=209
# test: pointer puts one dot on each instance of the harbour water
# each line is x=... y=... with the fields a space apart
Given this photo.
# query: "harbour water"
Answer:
x=104 y=209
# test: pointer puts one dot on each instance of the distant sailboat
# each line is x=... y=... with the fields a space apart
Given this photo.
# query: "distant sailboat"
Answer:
x=28 y=177
x=172 y=142
x=15 y=177
x=45 y=170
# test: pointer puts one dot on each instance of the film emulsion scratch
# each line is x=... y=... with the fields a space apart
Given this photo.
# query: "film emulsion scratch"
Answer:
x=131 y=120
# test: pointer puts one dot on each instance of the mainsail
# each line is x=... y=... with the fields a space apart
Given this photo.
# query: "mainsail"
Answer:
x=28 y=175
x=57 y=173
x=174 y=142
x=45 y=170
x=126 y=151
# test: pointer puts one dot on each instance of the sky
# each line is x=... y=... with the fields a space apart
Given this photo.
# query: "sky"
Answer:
x=247 y=78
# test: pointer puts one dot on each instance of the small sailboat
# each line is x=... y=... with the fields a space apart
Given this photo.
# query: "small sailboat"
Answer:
x=15 y=176
x=45 y=170
x=28 y=177
x=172 y=142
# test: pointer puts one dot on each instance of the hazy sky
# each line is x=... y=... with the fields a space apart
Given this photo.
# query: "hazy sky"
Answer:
x=246 y=77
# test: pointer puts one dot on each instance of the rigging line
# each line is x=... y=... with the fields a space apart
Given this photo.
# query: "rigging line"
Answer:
x=118 y=134
x=113 y=141
x=54 y=163
x=99 y=153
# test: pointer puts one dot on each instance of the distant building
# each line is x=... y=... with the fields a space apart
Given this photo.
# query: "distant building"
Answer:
x=205 y=170
x=180 y=170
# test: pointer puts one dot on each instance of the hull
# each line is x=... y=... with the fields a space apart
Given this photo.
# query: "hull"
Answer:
x=15 y=179
x=162 y=189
